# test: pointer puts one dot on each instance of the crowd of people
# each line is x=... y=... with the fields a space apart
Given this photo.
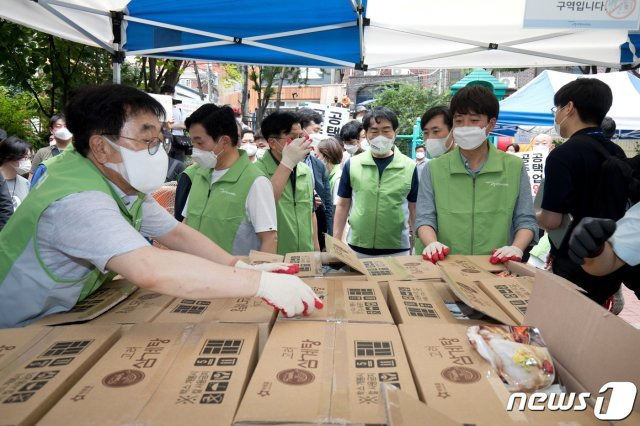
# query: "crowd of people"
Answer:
x=88 y=214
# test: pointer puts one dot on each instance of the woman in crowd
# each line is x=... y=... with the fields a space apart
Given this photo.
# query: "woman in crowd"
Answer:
x=14 y=162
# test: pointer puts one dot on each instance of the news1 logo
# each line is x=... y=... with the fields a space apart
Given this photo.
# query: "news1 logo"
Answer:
x=621 y=401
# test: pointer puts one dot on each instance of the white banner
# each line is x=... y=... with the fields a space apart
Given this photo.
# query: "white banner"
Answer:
x=534 y=165
x=617 y=14
x=333 y=118
x=167 y=103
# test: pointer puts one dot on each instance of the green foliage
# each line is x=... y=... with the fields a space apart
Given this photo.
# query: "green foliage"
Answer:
x=17 y=110
x=262 y=80
x=233 y=75
x=409 y=102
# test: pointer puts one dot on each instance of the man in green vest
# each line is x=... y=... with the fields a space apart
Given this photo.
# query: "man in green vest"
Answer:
x=230 y=200
x=291 y=180
x=475 y=200
x=88 y=216
x=378 y=191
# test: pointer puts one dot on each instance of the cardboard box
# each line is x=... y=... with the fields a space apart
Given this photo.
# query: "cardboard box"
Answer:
x=310 y=263
x=392 y=268
x=241 y=310
x=477 y=288
x=348 y=301
x=455 y=380
x=15 y=341
x=259 y=257
x=40 y=370
x=589 y=345
x=481 y=262
x=99 y=302
x=164 y=374
x=403 y=409
x=142 y=306
x=325 y=373
x=417 y=302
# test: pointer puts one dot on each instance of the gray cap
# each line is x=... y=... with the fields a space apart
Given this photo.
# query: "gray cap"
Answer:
x=361 y=108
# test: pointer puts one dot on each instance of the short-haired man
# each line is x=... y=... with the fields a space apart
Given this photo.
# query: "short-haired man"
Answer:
x=377 y=192
x=311 y=123
x=572 y=172
x=230 y=200
x=60 y=137
x=248 y=144
x=436 y=131
x=475 y=200
x=352 y=133
x=291 y=180
x=87 y=218
x=421 y=159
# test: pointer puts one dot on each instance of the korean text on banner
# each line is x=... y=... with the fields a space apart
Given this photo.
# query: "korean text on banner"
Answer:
x=333 y=118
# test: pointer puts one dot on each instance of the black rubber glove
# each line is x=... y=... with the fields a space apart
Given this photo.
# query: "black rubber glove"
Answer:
x=588 y=238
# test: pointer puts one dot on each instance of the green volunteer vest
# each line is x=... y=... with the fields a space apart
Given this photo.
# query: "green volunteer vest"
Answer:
x=66 y=174
x=377 y=217
x=218 y=210
x=295 y=229
x=475 y=214
x=334 y=177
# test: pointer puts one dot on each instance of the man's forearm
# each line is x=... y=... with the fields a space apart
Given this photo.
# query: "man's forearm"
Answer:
x=279 y=180
x=268 y=241
x=188 y=240
x=184 y=275
x=605 y=263
x=340 y=219
x=523 y=238
x=427 y=235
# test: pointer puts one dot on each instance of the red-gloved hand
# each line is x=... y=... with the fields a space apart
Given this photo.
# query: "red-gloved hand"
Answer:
x=275 y=267
x=434 y=252
x=288 y=294
x=503 y=254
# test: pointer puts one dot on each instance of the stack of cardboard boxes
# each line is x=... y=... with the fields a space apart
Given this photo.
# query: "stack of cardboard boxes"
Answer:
x=389 y=347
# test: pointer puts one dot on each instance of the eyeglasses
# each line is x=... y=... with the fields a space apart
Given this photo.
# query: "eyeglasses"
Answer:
x=152 y=145
x=555 y=110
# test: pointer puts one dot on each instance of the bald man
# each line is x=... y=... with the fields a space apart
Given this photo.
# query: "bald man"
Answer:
x=542 y=142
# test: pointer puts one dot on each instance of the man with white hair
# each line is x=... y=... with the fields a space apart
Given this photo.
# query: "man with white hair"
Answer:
x=542 y=143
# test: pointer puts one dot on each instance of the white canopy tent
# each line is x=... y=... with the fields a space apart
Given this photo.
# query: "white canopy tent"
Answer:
x=401 y=33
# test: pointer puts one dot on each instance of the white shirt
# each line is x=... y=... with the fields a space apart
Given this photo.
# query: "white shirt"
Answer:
x=178 y=119
x=626 y=240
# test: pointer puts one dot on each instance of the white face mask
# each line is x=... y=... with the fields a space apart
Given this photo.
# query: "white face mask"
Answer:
x=364 y=144
x=205 y=159
x=420 y=155
x=24 y=166
x=437 y=146
x=144 y=172
x=469 y=138
x=260 y=152
x=351 y=149
x=251 y=149
x=63 y=134
x=541 y=149
x=381 y=145
x=557 y=126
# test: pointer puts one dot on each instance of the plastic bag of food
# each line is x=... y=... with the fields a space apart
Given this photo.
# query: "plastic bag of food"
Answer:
x=517 y=353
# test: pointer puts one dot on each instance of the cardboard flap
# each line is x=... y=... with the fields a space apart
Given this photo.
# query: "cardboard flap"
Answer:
x=464 y=279
x=97 y=303
x=512 y=294
x=591 y=343
x=402 y=409
x=344 y=253
x=418 y=268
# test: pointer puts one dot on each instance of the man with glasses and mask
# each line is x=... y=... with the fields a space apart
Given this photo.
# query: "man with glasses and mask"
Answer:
x=230 y=200
x=291 y=180
x=377 y=192
x=475 y=200
x=88 y=215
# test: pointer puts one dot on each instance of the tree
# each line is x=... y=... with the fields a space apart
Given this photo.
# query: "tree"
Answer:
x=153 y=73
x=409 y=101
x=18 y=115
x=262 y=80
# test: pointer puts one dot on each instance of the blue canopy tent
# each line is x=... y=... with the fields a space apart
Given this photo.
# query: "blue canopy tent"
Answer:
x=531 y=105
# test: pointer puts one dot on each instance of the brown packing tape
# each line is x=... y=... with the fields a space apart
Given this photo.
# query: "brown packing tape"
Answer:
x=339 y=301
x=340 y=390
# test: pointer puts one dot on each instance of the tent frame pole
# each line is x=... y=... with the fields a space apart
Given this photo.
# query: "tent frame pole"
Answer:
x=47 y=6
x=482 y=46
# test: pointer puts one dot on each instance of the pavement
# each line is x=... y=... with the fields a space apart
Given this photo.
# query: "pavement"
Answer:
x=631 y=311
